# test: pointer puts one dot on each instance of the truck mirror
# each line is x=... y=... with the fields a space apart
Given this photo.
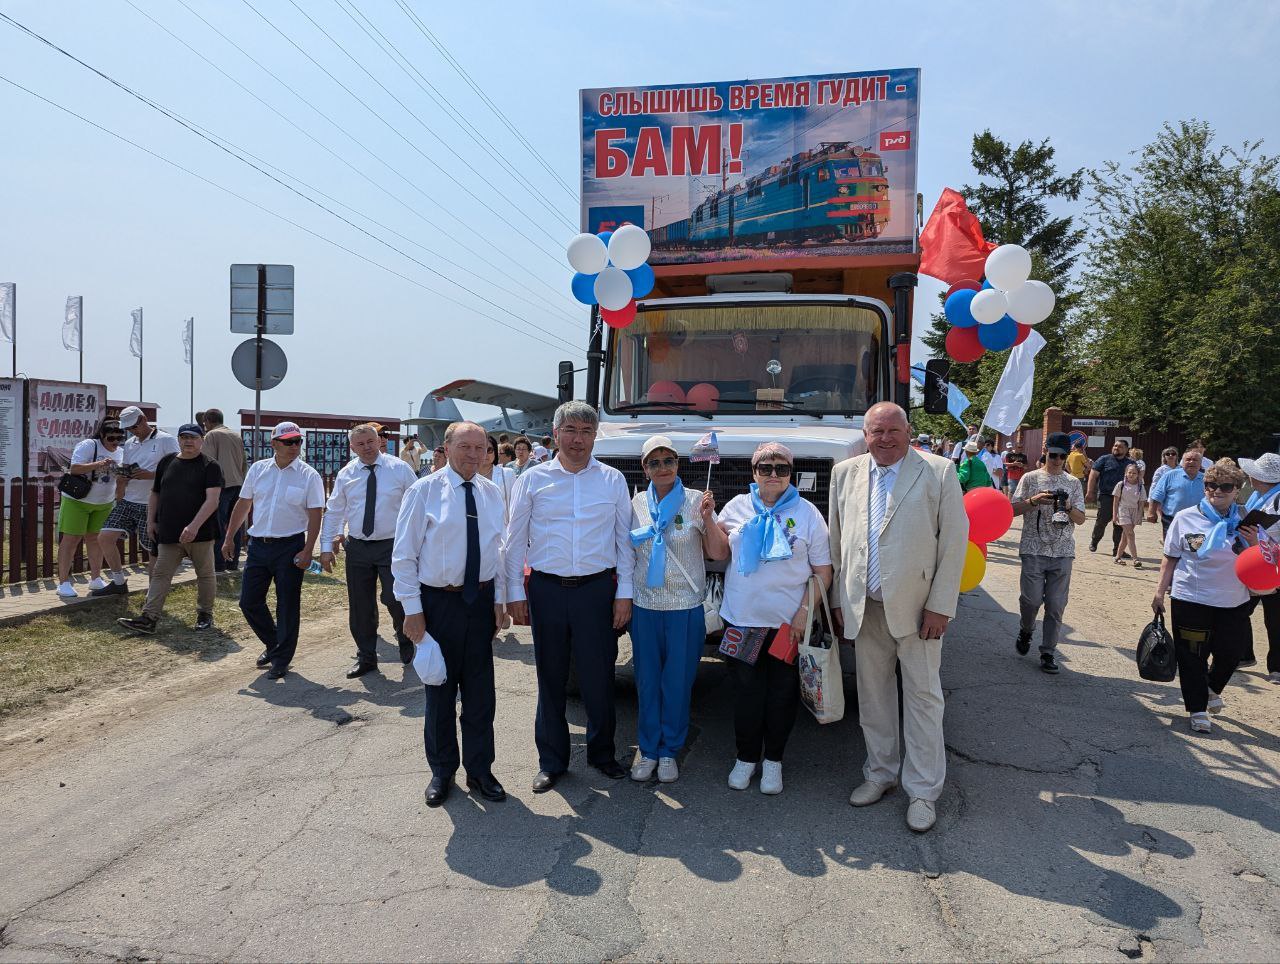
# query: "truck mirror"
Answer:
x=935 y=386
x=564 y=383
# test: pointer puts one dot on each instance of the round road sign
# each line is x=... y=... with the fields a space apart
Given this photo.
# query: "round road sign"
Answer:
x=244 y=363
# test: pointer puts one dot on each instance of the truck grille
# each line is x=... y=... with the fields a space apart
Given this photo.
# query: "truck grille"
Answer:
x=731 y=477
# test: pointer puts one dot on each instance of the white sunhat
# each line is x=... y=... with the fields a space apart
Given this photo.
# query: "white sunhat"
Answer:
x=1265 y=468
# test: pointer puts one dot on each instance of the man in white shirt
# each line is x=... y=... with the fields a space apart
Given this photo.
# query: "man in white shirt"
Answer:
x=571 y=522
x=363 y=506
x=287 y=497
x=447 y=563
x=143 y=450
x=994 y=462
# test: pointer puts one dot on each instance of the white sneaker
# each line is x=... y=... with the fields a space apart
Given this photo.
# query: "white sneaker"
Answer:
x=97 y=582
x=741 y=774
x=642 y=769
x=1273 y=677
x=921 y=815
x=1200 y=723
x=771 y=777
x=67 y=591
x=1215 y=704
x=668 y=772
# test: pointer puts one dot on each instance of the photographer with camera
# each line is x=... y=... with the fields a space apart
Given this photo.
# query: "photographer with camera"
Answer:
x=1052 y=502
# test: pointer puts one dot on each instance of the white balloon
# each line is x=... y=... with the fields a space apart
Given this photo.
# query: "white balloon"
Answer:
x=989 y=306
x=629 y=247
x=613 y=288
x=587 y=254
x=1031 y=302
x=1008 y=266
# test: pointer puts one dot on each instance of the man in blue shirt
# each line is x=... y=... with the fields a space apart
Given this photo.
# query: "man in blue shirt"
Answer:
x=1177 y=489
x=1106 y=472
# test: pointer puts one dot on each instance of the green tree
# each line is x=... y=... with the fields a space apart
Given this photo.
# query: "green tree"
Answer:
x=1013 y=205
x=1182 y=288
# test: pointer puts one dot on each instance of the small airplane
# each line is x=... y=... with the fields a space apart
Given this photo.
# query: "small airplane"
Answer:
x=523 y=412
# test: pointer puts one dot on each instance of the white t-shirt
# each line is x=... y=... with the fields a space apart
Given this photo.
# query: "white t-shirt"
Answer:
x=146 y=455
x=771 y=595
x=1210 y=581
x=993 y=462
x=104 y=483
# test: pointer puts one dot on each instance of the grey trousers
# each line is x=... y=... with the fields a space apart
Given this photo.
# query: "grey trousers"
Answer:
x=1046 y=580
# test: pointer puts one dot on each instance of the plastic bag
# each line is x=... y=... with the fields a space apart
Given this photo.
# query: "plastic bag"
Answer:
x=428 y=662
x=1157 y=660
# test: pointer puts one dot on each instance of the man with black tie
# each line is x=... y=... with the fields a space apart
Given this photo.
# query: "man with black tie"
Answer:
x=363 y=506
x=449 y=578
x=571 y=518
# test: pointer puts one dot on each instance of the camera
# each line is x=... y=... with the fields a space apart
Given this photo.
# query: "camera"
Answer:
x=126 y=470
x=1060 y=515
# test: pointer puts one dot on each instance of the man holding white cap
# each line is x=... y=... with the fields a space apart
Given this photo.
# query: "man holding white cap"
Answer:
x=1264 y=476
x=143 y=451
x=288 y=498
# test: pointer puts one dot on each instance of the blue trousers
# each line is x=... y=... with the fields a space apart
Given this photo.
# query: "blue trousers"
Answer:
x=666 y=648
x=267 y=562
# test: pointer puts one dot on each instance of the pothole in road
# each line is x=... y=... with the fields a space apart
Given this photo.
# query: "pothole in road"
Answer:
x=339 y=717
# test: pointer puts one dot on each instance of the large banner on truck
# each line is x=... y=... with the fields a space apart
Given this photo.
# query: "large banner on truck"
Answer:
x=821 y=166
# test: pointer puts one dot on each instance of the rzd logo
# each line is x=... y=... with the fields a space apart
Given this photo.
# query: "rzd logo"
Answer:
x=895 y=140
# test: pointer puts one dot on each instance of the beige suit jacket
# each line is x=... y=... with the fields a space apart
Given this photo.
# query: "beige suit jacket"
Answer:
x=922 y=544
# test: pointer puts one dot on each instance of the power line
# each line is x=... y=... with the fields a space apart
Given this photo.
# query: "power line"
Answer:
x=485 y=99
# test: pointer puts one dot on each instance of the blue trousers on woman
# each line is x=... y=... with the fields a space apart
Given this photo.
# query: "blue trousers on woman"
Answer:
x=666 y=647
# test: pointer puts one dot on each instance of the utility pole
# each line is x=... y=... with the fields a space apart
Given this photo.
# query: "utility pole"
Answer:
x=653 y=208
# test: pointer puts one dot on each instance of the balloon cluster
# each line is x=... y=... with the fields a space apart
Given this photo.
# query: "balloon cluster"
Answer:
x=999 y=312
x=612 y=272
x=990 y=515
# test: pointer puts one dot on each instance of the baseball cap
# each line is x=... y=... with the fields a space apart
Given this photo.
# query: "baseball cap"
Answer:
x=191 y=428
x=655 y=442
x=1265 y=468
x=1058 y=442
x=286 y=430
x=129 y=417
x=1008 y=446
x=922 y=437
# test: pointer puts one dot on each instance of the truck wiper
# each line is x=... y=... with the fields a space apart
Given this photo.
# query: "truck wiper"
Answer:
x=650 y=406
x=784 y=406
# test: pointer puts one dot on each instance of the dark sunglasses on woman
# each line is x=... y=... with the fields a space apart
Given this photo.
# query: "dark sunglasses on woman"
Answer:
x=1219 y=486
x=781 y=470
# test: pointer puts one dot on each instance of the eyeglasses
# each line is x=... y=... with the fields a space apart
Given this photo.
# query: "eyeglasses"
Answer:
x=113 y=438
x=1056 y=455
x=1219 y=486
x=780 y=469
x=289 y=441
x=670 y=462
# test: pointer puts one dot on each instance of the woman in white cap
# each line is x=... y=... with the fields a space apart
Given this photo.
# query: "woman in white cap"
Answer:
x=675 y=533
x=1264 y=476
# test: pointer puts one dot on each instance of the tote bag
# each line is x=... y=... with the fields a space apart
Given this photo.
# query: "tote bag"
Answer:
x=818 y=662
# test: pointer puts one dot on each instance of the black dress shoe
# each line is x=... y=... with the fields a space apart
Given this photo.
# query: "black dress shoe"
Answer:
x=263 y=661
x=277 y=672
x=358 y=669
x=612 y=769
x=544 y=781
x=438 y=791
x=407 y=651
x=488 y=787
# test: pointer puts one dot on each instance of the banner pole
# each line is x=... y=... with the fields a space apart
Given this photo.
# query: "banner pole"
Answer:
x=81 y=321
x=15 y=331
x=193 y=369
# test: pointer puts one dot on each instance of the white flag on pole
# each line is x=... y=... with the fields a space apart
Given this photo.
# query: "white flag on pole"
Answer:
x=73 y=323
x=1012 y=396
x=187 y=336
x=135 y=336
x=8 y=296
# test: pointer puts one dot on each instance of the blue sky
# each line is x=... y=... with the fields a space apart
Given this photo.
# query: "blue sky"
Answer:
x=84 y=214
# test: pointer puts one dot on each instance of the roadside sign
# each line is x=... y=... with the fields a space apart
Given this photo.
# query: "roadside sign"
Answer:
x=246 y=287
x=244 y=364
x=1078 y=438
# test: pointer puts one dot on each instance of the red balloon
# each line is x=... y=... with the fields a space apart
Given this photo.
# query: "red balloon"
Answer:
x=963 y=344
x=704 y=397
x=1023 y=331
x=665 y=392
x=1255 y=572
x=620 y=318
x=965 y=285
x=990 y=515
x=982 y=548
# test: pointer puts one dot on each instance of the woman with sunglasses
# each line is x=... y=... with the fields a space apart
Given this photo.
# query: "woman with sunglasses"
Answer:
x=1210 y=607
x=778 y=542
x=80 y=518
x=675 y=533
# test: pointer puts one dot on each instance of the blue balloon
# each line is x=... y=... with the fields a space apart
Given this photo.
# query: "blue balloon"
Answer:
x=956 y=308
x=999 y=336
x=642 y=280
x=584 y=287
x=605 y=236
x=987 y=285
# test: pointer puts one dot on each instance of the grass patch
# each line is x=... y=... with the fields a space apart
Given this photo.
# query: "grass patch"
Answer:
x=71 y=651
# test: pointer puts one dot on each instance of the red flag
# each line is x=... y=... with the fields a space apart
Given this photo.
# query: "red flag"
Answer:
x=951 y=244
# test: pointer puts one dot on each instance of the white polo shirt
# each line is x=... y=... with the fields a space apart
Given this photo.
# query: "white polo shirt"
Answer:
x=1212 y=580
x=146 y=455
x=281 y=497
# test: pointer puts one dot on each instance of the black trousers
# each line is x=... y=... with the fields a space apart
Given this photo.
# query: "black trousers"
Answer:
x=766 y=698
x=226 y=503
x=368 y=564
x=1201 y=632
x=1271 y=619
x=1106 y=511
x=465 y=634
x=265 y=563
x=574 y=620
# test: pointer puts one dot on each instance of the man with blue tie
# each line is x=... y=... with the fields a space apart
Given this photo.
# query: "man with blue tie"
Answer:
x=448 y=576
x=363 y=507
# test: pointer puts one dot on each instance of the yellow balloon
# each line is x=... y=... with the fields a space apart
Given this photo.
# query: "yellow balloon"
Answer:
x=975 y=567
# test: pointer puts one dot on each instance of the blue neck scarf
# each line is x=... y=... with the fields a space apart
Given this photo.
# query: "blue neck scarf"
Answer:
x=661 y=515
x=1224 y=528
x=1256 y=499
x=764 y=539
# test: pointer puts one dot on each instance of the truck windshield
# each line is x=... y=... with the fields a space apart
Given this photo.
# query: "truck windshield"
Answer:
x=747 y=358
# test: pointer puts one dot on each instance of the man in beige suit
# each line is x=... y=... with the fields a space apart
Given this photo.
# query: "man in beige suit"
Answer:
x=898 y=538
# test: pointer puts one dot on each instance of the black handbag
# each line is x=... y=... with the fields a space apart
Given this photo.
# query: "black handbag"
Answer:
x=77 y=486
x=1157 y=660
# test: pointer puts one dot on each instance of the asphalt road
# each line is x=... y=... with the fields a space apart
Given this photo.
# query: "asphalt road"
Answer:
x=225 y=816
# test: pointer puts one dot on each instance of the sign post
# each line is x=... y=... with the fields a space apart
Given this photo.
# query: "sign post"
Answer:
x=261 y=304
